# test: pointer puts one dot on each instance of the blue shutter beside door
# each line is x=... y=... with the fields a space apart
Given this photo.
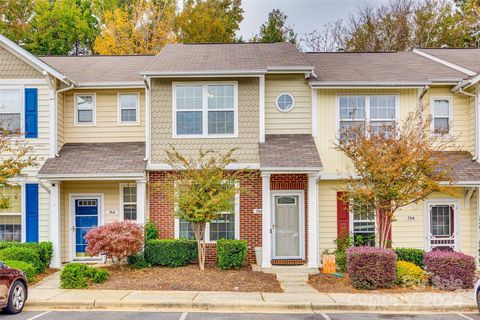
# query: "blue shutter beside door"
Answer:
x=31 y=113
x=31 y=212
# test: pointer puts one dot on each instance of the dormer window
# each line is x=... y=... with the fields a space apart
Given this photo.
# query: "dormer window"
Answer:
x=205 y=110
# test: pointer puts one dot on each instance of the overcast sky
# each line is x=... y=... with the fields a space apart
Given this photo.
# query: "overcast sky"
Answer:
x=304 y=15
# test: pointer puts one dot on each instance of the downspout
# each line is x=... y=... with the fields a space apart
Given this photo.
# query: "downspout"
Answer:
x=72 y=86
x=148 y=94
x=477 y=113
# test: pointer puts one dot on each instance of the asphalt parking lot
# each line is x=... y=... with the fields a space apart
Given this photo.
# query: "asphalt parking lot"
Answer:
x=122 y=315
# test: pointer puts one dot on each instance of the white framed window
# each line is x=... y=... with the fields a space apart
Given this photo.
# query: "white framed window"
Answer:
x=362 y=225
x=129 y=108
x=85 y=109
x=128 y=201
x=11 y=109
x=285 y=102
x=356 y=111
x=11 y=217
x=226 y=226
x=441 y=110
x=205 y=109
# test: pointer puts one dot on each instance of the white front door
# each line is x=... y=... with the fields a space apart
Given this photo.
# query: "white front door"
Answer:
x=287 y=228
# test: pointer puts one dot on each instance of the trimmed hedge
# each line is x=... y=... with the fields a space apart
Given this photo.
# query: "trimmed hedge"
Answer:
x=371 y=268
x=44 y=249
x=170 y=252
x=27 y=268
x=24 y=254
x=412 y=255
x=79 y=276
x=231 y=254
x=138 y=261
x=409 y=274
x=450 y=270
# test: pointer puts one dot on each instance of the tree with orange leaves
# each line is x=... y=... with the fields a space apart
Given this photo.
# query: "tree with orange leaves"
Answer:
x=393 y=166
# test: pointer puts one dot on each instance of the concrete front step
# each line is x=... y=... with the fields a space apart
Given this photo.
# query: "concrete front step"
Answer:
x=292 y=277
x=288 y=270
x=297 y=287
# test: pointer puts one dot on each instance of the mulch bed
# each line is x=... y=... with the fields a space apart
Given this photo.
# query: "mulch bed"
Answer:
x=331 y=284
x=39 y=277
x=189 y=278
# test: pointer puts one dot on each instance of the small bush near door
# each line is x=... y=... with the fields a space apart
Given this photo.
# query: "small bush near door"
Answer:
x=170 y=252
x=412 y=255
x=79 y=276
x=450 y=270
x=371 y=268
x=231 y=254
x=409 y=274
x=22 y=254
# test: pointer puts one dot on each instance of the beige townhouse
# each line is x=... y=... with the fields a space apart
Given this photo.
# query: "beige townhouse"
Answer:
x=111 y=119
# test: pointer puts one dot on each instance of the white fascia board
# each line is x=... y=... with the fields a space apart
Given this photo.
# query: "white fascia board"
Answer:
x=119 y=176
x=367 y=84
x=444 y=62
x=291 y=69
x=33 y=60
x=204 y=73
x=273 y=170
x=233 y=166
x=110 y=85
x=461 y=183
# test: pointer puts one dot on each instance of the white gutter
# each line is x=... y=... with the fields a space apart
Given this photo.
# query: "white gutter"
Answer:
x=367 y=84
x=217 y=73
x=477 y=120
x=148 y=95
x=81 y=177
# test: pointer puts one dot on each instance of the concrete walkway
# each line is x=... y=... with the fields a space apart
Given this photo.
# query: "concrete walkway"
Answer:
x=293 y=279
x=50 y=282
x=44 y=298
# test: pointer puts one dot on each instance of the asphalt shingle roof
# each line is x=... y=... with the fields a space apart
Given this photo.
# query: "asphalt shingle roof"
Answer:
x=465 y=57
x=175 y=58
x=459 y=165
x=289 y=151
x=379 y=67
x=95 y=69
x=97 y=158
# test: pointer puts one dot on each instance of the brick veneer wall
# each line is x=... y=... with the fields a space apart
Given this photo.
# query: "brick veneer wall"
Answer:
x=293 y=182
x=161 y=212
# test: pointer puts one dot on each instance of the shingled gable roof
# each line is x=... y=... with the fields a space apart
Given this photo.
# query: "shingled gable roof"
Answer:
x=100 y=69
x=468 y=58
x=400 y=68
x=289 y=151
x=460 y=166
x=178 y=59
x=97 y=159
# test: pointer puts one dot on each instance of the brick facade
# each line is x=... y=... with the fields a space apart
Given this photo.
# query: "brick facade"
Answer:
x=161 y=212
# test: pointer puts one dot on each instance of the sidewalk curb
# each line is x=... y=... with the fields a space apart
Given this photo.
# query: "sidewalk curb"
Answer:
x=102 y=304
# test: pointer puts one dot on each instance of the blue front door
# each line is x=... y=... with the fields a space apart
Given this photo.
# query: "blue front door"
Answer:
x=86 y=218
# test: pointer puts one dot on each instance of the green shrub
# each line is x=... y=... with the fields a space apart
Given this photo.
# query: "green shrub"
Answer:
x=44 y=249
x=343 y=242
x=409 y=274
x=231 y=254
x=27 y=268
x=341 y=261
x=24 y=254
x=170 y=253
x=79 y=276
x=412 y=255
x=150 y=230
x=138 y=261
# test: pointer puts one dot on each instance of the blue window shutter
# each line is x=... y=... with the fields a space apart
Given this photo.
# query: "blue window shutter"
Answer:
x=31 y=113
x=31 y=212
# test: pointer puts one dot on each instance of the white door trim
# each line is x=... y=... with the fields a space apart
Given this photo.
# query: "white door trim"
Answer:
x=301 y=224
x=456 y=220
x=71 y=230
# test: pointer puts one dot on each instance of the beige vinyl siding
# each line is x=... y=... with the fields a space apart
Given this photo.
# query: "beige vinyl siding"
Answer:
x=12 y=67
x=107 y=128
x=405 y=233
x=299 y=119
x=333 y=161
x=471 y=122
x=111 y=198
x=460 y=118
x=248 y=123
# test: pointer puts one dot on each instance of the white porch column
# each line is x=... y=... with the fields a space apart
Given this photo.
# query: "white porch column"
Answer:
x=141 y=200
x=313 y=261
x=55 y=229
x=266 y=222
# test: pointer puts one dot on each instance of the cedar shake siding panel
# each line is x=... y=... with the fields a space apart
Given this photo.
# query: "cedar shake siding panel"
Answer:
x=248 y=123
x=12 y=67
